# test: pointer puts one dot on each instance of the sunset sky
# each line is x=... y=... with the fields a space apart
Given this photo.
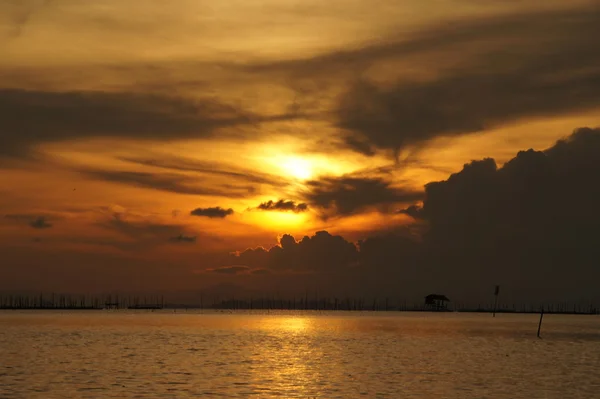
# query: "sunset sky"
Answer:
x=143 y=142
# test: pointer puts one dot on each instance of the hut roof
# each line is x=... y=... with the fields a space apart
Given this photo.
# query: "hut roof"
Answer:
x=437 y=297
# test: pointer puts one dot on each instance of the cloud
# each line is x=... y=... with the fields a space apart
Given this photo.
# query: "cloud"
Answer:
x=478 y=94
x=214 y=212
x=530 y=226
x=283 y=205
x=392 y=255
x=348 y=195
x=34 y=221
x=20 y=13
x=30 y=117
x=322 y=252
x=472 y=69
x=535 y=217
x=40 y=223
x=252 y=257
x=413 y=211
x=230 y=270
x=327 y=253
x=473 y=74
x=171 y=182
x=183 y=239
x=142 y=233
x=548 y=189
x=550 y=72
x=208 y=168
x=260 y=271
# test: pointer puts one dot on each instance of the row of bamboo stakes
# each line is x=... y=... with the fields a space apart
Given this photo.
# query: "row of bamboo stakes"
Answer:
x=65 y=301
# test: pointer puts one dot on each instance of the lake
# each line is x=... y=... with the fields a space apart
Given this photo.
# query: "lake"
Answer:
x=289 y=354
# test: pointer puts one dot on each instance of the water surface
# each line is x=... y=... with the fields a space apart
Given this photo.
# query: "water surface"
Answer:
x=142 y=354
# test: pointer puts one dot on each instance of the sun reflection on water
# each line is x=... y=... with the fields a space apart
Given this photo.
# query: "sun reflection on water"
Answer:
x=295 y=324
x=292 y=355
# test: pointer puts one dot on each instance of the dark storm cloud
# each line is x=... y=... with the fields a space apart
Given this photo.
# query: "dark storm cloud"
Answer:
x=413 y=211
x=283 y=205
x=206 y=167
x=552 y=69
x=171 y=182
x=348 y=195
x=531 y=225
x=484 y=72
x=543 y=191
x=388 y=253
x=322 y=252
x=534 y=219
x=30 y=117
x=214 y=213
x=253 y=257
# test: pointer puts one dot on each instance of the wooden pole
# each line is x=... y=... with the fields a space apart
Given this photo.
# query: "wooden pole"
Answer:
x=540 y=325
x=496 y=300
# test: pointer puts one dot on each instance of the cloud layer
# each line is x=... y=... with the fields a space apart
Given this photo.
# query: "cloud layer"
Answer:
x=31 y=117
x=475 y=74
x=170 y=182
x=478 y=73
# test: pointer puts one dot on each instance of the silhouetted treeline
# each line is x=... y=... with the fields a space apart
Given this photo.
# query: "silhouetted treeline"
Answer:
x=385 y=304
x=84 y=302
x=151 y=302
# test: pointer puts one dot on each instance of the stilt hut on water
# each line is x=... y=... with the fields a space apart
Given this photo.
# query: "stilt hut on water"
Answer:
x=436 y=302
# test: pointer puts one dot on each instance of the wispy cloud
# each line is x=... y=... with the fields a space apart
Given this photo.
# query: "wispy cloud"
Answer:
x=183 y=239
x=172 y=182
x=22 y=12
x=230 y=270
x=40 y=223
x=143 y=232
x=55 y=116
x=34 y=221
x=208 y=168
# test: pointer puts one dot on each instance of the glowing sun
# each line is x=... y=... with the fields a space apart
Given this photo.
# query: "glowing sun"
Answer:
x=298 y=167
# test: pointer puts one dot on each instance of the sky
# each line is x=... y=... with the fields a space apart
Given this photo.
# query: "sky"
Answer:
x=356 y=148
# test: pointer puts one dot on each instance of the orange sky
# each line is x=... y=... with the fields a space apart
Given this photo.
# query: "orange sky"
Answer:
x=121 y=118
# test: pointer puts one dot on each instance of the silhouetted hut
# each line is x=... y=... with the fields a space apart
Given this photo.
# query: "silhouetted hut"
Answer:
x=436 y=302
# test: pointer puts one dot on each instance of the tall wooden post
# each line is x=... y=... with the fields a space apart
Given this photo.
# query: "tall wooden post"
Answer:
x=540 y=325
x=496 y=293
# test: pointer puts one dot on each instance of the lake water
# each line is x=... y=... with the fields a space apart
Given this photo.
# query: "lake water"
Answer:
x=141 y=354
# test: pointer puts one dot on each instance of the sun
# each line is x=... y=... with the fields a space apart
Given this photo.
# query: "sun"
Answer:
x=297 y=167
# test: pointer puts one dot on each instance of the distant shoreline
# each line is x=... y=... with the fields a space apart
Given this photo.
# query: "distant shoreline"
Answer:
x=227 y=310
